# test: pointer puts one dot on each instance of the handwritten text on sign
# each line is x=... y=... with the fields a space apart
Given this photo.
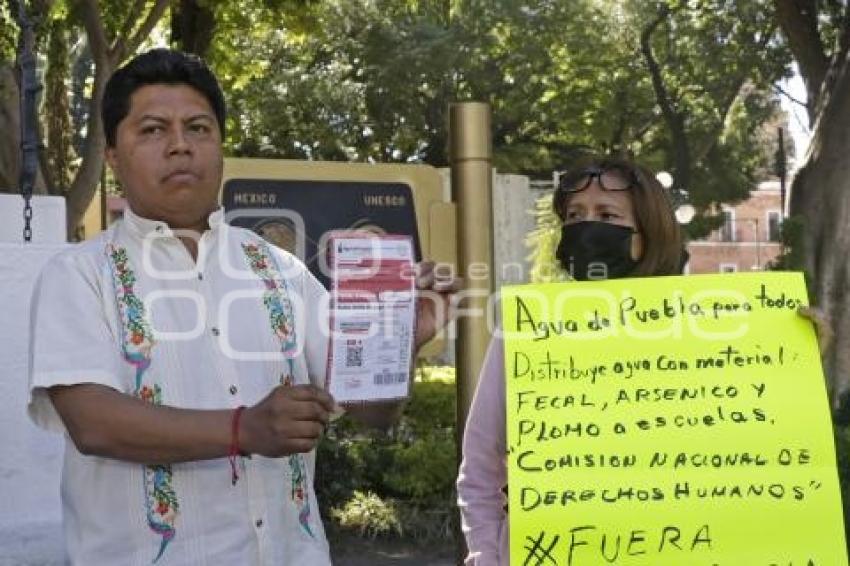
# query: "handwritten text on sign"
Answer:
x=668 y=421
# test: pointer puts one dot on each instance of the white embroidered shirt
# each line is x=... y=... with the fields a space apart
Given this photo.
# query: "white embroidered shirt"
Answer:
x=205 y=335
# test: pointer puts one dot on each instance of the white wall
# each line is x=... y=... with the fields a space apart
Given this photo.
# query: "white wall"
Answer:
x=514 y=200
x=48 y=223
x=513 y=220
x=30 y=459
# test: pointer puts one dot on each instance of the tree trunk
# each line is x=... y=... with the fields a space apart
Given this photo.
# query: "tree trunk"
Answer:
x=820 y=196
x=85 y=183
x=107 y=57
x=799 y=21
x=58 y=155
x=10 y=118
x=680 y=146
x=10 y=142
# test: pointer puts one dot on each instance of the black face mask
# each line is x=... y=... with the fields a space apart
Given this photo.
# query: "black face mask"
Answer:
x=596 y=250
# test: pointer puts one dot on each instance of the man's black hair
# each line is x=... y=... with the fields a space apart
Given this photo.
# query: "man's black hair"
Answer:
x=157 y=66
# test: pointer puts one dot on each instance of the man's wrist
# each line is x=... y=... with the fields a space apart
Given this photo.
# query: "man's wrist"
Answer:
x=235 y=450
x=244 y=436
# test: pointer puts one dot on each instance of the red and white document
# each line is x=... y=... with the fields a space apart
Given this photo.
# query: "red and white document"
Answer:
x=373 y=300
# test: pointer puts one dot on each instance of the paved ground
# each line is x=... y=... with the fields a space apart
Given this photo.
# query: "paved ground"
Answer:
x=349 y=550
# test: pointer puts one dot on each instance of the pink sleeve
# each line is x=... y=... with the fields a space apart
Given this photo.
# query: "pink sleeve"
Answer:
x=483 y=471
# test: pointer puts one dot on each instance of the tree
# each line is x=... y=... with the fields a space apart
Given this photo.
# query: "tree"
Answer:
x=818 y=35
x=371 y=81
x=110 y=42
x=712 y=65
x=698 y=95
x=114 y=31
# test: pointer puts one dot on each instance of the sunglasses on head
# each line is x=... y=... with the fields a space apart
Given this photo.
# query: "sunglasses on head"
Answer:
x=609 y=178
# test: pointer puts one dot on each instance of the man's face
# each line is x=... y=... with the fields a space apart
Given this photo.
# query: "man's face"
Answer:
x=167 y=156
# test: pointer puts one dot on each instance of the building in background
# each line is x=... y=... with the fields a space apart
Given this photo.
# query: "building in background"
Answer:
x=95 y=220
x=748 y=240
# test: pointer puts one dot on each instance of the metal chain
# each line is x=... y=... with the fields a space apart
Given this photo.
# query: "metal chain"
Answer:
x=29 y=139
x=27 y=218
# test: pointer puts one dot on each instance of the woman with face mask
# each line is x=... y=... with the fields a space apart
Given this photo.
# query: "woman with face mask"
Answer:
x=617 y=222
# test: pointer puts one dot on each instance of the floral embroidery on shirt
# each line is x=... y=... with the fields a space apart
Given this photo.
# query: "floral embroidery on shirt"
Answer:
x=161 y=505
x=282 y=321
x=137 y=337
x=275 y=298
x=298 y=490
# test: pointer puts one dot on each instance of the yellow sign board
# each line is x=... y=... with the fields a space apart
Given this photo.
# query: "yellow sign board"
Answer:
x=669 y=421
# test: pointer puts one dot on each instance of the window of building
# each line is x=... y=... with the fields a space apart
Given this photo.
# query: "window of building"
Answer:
x=728 y=267
x=727 y=231
x=774 y=225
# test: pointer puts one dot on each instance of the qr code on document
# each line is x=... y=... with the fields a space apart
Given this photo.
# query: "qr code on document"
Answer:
x=353 y=354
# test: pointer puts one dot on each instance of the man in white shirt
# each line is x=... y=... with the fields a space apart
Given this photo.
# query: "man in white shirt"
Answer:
x=183 y=357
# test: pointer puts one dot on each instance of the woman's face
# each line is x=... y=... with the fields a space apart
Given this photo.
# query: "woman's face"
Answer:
x=598 y=205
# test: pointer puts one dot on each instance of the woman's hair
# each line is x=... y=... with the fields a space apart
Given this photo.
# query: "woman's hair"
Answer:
x=663 y=244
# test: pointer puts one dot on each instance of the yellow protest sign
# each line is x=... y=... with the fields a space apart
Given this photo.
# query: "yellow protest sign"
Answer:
x=668 y=421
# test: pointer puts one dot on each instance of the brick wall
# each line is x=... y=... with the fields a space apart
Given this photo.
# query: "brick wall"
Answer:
x=744 y=244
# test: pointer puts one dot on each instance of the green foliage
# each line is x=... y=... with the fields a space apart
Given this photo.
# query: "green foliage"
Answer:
x=718 y=60
x=369 y=515
x=423 y=483
x=40 y=13
x=372 y=80
x=542 y=243
x=791 y=258
x=410 y=469
x=426 y=435
x=8 y=33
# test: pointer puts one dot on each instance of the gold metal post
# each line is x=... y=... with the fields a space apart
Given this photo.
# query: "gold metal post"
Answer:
x=470 y=157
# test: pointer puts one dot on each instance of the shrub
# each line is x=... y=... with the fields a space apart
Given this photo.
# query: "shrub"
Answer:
x=408 y=471
x=369 y=515
x=542 y=243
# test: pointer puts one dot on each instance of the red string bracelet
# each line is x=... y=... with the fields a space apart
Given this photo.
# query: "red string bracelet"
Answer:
x=234 y=451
